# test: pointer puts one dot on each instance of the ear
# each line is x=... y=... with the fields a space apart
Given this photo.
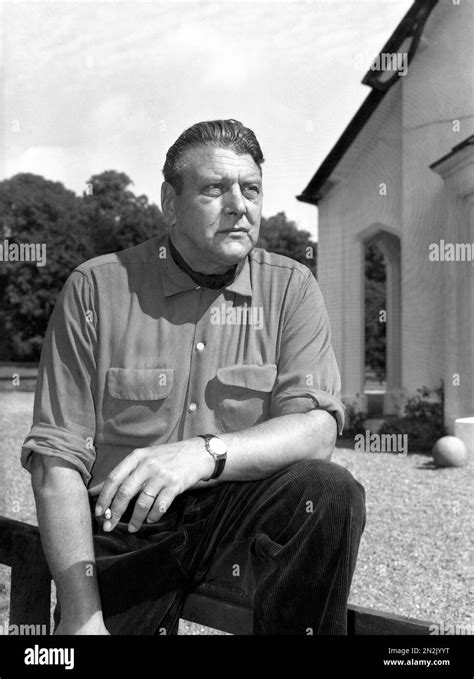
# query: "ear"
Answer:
x=168 y=198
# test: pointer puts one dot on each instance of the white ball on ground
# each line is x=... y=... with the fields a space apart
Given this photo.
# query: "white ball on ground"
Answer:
x=449 y=451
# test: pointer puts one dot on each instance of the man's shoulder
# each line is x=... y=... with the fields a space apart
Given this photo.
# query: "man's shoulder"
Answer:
x=136 y=256
x=269 y=263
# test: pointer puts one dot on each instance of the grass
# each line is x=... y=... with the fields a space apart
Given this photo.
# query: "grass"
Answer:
x=415 y=554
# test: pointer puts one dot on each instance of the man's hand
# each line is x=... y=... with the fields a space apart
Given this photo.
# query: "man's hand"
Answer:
x=158 y=474
x=94 y=626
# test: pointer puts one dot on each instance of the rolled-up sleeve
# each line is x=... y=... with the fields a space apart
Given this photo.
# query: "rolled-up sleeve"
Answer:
x=64 y=415
x=308 y=377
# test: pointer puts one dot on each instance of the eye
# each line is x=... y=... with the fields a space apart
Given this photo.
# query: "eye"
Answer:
x=251 y=191
x=213 y=189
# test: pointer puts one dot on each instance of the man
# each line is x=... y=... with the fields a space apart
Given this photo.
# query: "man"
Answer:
x=188 y=395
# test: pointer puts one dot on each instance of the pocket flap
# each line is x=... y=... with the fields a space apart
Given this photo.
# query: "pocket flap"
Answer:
x=256 y=377
x=140 y=384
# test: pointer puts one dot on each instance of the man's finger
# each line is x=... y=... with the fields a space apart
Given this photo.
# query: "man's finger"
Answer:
x=143 y=506
x=114 y=480
x=95 y=490
x=125 y=493
x=161 y=505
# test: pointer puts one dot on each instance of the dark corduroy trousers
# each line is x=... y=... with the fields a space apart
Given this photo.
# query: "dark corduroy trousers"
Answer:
x=287 y=544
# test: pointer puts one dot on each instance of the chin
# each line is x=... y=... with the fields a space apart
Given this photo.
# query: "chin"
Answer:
x=235 y=252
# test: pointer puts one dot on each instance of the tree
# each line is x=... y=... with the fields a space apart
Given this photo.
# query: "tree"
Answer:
x=375 y=302
x=107 y=218
x=116 y=217
x=280 y=235
x=36 y=210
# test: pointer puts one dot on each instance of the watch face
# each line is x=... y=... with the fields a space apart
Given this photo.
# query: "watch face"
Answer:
x=217 y=446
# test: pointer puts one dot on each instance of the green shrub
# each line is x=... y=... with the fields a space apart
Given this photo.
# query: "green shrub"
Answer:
x=423 y=420
x=354 y=418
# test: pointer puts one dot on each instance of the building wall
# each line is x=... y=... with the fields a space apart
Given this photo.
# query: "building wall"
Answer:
x=355 y=208
x=412 y=128
x=438 y=96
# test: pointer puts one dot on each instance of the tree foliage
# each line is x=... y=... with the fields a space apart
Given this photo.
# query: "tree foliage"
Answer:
x=107 y=218
x=116 y=218
x=280 y=235
x=375 y=302
x=35 y=210
x=422 y=420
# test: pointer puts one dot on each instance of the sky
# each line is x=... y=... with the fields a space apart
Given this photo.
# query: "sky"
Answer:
x=94 y=86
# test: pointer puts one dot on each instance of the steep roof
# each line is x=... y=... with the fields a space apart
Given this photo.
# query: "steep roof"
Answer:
x=405 y=38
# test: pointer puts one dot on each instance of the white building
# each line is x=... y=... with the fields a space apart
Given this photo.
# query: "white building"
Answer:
x=402 y=175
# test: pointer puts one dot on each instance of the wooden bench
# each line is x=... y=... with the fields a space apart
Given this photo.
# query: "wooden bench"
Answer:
x=30 y=596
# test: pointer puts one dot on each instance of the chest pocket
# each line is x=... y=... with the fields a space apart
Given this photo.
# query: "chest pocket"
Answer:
x=243 y=395
x=137 y=402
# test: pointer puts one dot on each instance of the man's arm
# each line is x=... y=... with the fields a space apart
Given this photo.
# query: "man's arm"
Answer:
x=266 y=448
x=65 y=525
x=168 y=470
x=60 y=457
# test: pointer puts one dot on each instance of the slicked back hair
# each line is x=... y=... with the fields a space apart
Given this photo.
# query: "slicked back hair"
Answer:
x=230 y=134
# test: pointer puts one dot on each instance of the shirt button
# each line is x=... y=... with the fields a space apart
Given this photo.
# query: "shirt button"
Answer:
x=192 y=407
x=198 y=287
x=199 y=346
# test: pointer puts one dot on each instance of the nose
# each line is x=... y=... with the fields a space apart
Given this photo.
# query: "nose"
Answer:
x=235 y=203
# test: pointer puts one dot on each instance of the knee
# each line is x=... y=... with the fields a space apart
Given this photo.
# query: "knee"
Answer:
x=328 y=482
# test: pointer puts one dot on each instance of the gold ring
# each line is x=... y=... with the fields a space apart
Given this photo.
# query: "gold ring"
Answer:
x=149 y=494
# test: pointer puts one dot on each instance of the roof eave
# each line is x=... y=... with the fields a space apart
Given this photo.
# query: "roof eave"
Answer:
x=312 y=194
x=412 y=24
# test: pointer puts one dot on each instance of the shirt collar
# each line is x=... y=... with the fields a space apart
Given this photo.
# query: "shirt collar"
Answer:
x=175 y=280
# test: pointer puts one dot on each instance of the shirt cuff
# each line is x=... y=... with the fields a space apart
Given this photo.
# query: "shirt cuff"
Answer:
x=46 y=439
x=317 y=399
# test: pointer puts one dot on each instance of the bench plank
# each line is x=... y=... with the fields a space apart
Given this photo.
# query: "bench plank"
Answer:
x=220 y=615
x=30 y=595
x=21 y=549
x=365 y=621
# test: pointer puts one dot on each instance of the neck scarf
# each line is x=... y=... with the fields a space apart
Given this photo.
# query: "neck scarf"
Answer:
x=205 y=280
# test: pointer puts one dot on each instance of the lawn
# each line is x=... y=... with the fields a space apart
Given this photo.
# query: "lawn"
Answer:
x=416 y=552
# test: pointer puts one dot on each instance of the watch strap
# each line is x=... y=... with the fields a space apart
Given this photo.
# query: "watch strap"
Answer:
x=219 y=461
x=219 y=468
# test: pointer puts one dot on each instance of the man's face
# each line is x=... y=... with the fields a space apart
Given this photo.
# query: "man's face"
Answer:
x=217 y=215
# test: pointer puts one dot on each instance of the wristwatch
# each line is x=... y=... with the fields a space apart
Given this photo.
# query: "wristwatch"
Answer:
x=218 y=449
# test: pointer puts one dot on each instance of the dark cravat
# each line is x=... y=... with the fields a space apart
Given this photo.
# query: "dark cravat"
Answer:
x=205 y=280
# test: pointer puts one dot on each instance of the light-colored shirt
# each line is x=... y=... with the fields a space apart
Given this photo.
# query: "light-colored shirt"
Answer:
x=137 y=354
